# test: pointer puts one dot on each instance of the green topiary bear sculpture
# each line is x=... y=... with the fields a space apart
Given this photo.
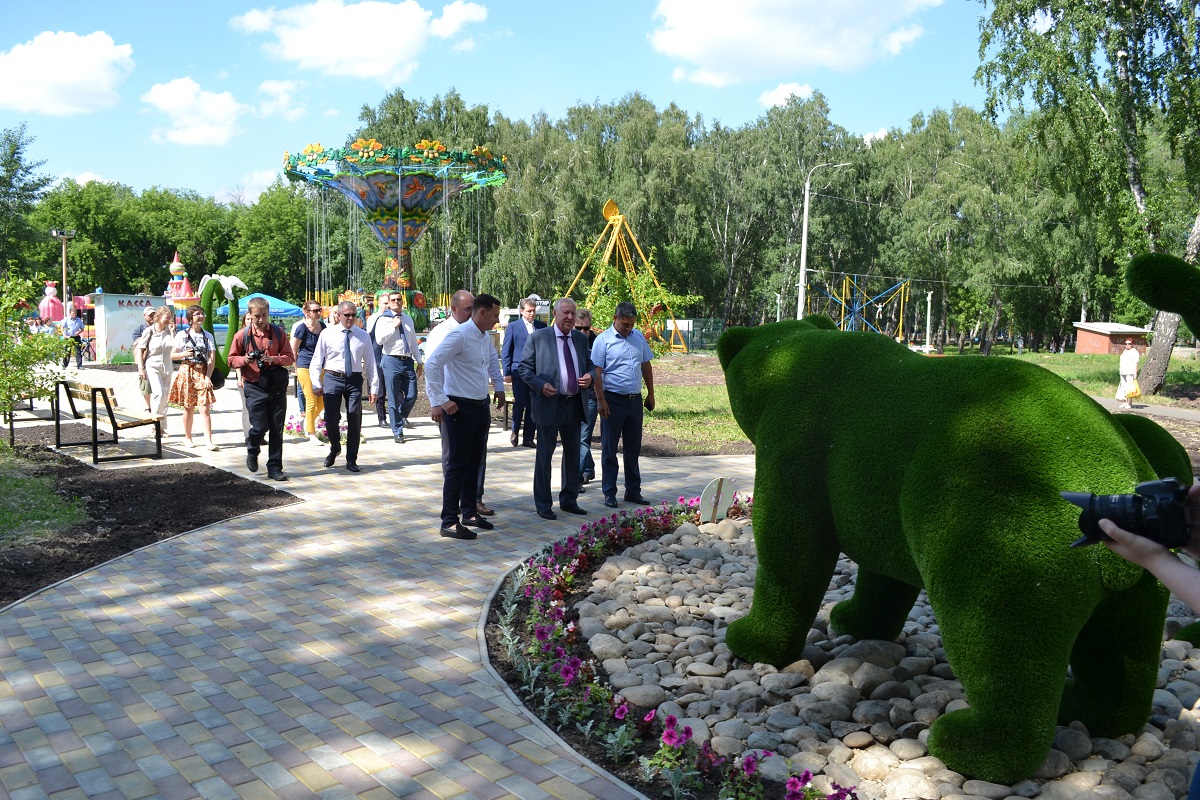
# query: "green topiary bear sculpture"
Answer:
x=945 y=475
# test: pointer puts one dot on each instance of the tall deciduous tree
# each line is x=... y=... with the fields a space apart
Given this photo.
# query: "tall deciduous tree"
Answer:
x=20 y=188
x=1105 y=68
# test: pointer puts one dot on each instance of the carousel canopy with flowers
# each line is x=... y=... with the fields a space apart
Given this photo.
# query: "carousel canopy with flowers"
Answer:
x=397 y=189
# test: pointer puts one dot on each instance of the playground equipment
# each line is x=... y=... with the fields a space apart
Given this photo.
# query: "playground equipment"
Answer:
x=616 y=238
x=397 y=190
x=850 y=304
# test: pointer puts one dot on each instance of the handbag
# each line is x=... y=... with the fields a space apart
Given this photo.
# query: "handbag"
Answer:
x=217 y=378
x=1135 y=389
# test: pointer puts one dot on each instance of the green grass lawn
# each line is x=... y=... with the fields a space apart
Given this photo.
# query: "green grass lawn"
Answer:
x=1097 y=374
x=30 y=508
x=696 y=417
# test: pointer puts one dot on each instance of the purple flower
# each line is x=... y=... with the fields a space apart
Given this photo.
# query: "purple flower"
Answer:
x=650 y=716
x=749 y=764
x=542 y=632
x=687 y=733
x=671 y=738
x=621 y=711
x=670 y=721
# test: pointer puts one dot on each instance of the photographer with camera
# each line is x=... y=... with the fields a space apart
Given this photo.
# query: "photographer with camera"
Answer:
x=193 y=349
x=263 y=354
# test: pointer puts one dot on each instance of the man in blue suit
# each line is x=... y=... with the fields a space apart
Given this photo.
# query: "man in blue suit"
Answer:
x=510 y=355
x=558 y=370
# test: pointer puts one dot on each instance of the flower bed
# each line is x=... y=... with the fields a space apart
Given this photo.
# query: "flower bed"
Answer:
x=534 y=642
x=295 y=426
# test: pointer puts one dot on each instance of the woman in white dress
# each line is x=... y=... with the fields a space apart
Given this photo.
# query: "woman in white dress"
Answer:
x=1128 y=369
x=152 y=353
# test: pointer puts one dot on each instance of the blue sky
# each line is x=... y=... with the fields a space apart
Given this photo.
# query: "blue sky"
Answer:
x=207 y=96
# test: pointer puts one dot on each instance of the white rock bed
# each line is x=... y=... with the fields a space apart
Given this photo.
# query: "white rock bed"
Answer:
x=852 y=712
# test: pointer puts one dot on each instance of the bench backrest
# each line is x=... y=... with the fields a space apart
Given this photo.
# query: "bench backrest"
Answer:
x=76 y=390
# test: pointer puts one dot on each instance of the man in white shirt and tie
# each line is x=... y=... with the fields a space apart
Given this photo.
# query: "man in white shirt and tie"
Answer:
x=344 y=360
x=458 y=372
x=396 y=336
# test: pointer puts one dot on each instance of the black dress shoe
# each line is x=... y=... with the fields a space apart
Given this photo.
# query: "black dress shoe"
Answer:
x=277 y=475
x=581 y=489
x=252 y=463
x=512 y=437
x=399 y=438
x=353 y=468
x=477 y=522
x=575 y=509
x=611 y=502
x=484 y=510
x=457 y=531
x=547 y=514
x=636 y=498
x=528 y=444
x=329 y=459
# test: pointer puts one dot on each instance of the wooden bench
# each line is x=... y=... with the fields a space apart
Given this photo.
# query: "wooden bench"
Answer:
x=101 y=405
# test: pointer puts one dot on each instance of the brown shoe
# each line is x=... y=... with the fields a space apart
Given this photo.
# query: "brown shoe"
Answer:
x=484 y=510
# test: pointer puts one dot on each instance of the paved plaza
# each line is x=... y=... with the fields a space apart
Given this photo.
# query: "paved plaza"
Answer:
x=330 y=648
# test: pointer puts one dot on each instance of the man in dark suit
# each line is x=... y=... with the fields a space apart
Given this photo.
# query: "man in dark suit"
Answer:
x=558 y=370
x=510 y=355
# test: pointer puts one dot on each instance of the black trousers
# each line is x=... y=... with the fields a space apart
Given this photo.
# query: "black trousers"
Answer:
x=466 y=439
x=267 y=412
x=349 y=388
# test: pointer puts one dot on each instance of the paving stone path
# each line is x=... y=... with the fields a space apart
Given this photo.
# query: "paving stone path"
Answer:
x=330 y=648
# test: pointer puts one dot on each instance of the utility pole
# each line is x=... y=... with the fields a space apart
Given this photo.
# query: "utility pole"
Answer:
x=64 y=236
x=804 y=237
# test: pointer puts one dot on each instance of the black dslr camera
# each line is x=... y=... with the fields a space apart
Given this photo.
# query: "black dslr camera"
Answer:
x=1155 y=510
x=256 y=356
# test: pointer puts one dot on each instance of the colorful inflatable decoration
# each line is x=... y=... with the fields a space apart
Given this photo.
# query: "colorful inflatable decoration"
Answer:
x=179 y=288
x=51 y=307
x=398 y=189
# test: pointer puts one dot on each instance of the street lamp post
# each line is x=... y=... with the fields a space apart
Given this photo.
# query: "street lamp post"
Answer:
x=64 y=236
x=804 y=237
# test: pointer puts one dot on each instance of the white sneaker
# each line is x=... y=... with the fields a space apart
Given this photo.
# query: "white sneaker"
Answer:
x=188 y=443
x=214 y=446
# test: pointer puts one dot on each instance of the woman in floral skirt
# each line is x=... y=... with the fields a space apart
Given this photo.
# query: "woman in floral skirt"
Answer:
x=191 y=389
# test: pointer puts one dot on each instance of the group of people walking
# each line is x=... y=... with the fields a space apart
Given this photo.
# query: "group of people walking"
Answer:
x=563 y=376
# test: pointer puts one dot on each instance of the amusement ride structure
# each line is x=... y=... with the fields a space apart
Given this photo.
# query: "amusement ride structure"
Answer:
x=616 y=254
x=397 y=190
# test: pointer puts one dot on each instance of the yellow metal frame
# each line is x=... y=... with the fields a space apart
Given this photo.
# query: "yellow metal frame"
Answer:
x=616 y=238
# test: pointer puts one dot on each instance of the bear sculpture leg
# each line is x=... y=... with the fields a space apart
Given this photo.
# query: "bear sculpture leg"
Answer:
x=877 y=610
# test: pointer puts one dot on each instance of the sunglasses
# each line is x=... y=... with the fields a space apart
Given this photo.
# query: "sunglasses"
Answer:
x=349 y=314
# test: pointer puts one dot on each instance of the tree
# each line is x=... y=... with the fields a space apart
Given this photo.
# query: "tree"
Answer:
x=1105 y=69
x=25 y=357
x=20 y=188
x=269 y=254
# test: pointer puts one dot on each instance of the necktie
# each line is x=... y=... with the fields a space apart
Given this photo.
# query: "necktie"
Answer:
x=347 y=365
x=570 y=381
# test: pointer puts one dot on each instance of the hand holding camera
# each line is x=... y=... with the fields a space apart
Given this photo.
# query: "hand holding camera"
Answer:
x=1157 y=510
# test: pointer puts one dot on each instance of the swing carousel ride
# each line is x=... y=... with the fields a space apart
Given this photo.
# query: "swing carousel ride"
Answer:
x=397 y=191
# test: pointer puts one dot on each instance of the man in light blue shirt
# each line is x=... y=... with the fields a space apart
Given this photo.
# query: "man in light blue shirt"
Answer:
x=622 y=357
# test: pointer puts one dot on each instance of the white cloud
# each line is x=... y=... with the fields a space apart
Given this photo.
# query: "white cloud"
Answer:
x=250 y=188
x=63 y=73
x=465 y=46
x=455 y=16
x=303 y=35
x=196 y=116
x=332 y=112
x=280 y=98
x=780 y=94
x=877 y=136
x=85 y=178
x=721 y=45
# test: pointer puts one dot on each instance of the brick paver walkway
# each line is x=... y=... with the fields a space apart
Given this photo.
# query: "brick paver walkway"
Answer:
x=330 y=648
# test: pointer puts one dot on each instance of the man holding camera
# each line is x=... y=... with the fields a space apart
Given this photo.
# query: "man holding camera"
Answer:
x=263 y=354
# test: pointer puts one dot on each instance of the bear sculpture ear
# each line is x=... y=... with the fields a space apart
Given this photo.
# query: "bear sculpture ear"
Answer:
x=1167 y=283
x=820 y=322
x=731 y=343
